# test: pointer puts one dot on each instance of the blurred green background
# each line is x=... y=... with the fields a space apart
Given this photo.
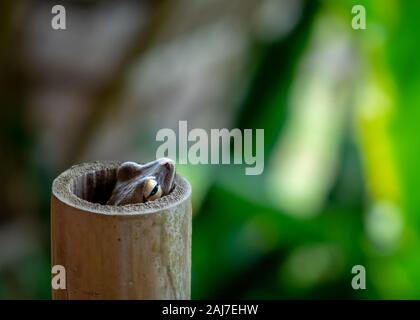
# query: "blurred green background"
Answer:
x=340 y=110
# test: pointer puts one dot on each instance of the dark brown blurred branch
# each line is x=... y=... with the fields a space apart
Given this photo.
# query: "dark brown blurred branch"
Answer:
x=15 y=133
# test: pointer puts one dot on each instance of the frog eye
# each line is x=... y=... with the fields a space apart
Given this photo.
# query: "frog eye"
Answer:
x=152 y=190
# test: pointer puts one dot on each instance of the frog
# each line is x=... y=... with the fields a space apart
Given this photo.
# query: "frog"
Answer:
x=141 y=183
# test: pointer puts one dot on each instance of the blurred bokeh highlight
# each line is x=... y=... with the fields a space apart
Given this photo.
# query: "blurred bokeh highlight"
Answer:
x=340 y=110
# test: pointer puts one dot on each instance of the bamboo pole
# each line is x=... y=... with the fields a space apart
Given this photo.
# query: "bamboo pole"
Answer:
x=140 y=251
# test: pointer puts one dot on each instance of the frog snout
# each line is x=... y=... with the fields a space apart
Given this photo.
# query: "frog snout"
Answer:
x=166 y=162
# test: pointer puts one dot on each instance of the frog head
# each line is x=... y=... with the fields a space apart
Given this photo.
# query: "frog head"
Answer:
x=137 y=183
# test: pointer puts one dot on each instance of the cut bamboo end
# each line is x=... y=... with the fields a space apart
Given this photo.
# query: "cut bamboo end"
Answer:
x=138 y=251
